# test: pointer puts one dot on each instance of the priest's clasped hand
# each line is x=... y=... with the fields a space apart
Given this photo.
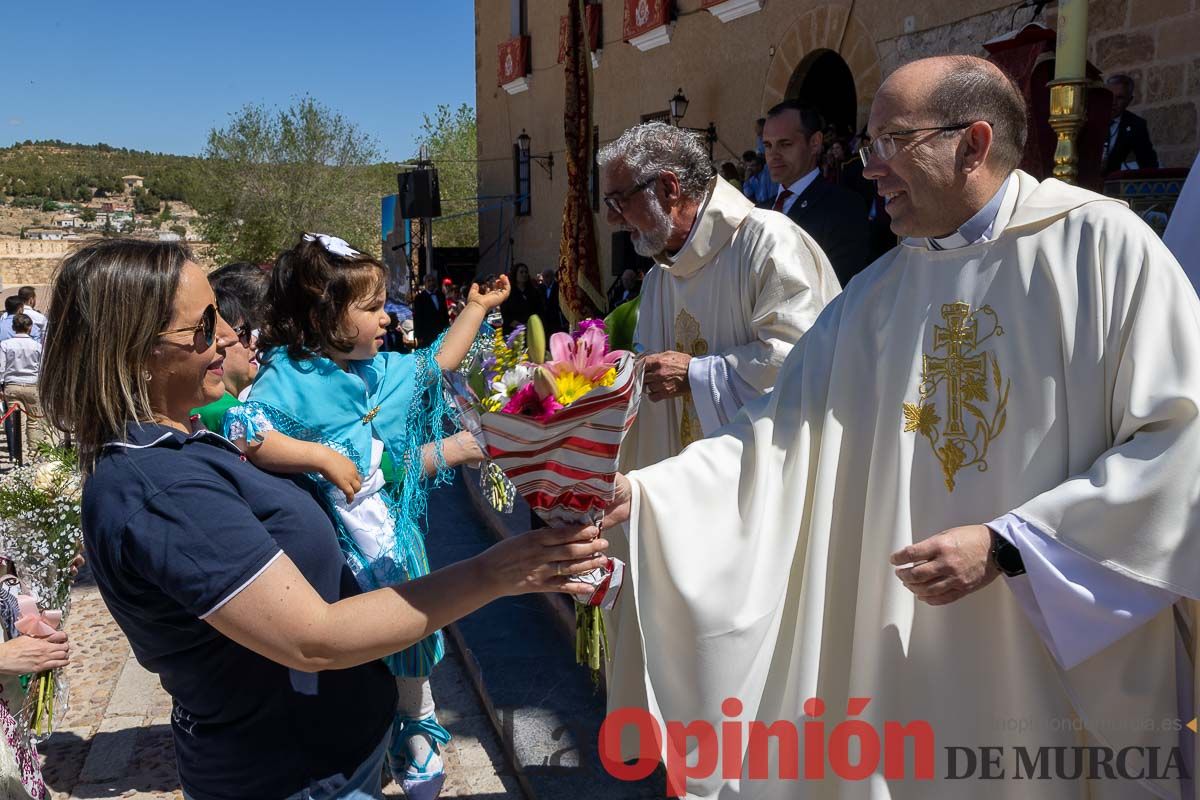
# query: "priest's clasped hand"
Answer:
x=947 y=566
x=666 y=374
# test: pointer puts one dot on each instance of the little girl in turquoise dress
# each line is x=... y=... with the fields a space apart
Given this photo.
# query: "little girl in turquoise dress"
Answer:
x=328 y=403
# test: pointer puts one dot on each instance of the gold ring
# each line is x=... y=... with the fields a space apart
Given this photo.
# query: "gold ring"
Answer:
x=558 y=570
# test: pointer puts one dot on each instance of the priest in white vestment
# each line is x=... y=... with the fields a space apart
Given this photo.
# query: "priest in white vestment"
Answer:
x=732 y=289
x=1014 y=390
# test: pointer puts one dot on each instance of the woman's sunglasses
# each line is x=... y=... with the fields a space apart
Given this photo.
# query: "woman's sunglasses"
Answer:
x=206 y=327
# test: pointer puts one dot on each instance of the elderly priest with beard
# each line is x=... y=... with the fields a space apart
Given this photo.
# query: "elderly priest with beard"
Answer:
x=732 y=288
x=1012 y=391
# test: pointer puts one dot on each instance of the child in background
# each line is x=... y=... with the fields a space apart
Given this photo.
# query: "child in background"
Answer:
x=327 y=402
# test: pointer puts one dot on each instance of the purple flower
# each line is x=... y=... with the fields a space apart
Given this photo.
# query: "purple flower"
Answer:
x=586 y=324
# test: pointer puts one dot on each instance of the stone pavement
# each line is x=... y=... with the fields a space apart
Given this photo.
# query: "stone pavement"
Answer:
x=115 y=739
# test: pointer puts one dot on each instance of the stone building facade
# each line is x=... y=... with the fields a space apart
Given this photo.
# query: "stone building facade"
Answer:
x=733 y=70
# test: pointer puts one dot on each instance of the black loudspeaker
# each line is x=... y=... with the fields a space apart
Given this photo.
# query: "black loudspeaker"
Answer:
x=419 y=194
x=624 y=256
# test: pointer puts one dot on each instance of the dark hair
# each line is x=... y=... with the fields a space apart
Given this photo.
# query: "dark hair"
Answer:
x=1122 y=79
x=760 y=121
x=26 y=293
x=973 y=89
x=241 y=291
x=750 y=155
x=311 y=290
x=119 y=295
x=13 y=305
x=810 y=119
x=22 y=323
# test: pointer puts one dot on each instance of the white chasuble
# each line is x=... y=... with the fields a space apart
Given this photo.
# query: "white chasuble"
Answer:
x=1053 y=372
x=745 y=287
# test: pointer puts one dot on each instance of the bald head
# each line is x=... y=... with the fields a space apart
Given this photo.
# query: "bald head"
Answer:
x=948 y=133
x=957 y=89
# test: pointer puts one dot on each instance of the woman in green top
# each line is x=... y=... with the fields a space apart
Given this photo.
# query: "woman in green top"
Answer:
x=240 y=289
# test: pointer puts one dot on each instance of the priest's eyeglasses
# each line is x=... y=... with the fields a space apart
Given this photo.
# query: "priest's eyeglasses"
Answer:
x=616 y=200
x=884 y=145
x=207 y=327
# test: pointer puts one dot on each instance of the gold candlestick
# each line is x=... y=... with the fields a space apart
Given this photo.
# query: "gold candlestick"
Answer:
x=1067 y=115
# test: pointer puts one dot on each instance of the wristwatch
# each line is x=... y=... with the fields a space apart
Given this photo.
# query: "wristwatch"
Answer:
x=1006 y=556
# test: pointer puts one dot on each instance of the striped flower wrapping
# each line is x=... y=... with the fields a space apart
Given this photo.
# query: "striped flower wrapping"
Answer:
x=565 y=467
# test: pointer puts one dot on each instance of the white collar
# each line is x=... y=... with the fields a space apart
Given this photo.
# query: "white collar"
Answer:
x=670 y=257
x=798 y=186
x=986 y=225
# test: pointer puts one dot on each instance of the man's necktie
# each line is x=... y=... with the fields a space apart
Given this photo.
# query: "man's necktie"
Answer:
x=781 y=199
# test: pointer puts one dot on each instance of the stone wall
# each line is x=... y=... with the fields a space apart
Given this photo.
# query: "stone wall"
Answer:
x=24 y=261
x=30 y=262
x=963 y=37
x=1156 y=42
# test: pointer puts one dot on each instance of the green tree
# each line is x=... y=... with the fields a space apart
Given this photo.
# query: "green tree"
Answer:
x=272 y=174
x=49 y=205
x=450 y=136
x=88 y=215
x=145 y=202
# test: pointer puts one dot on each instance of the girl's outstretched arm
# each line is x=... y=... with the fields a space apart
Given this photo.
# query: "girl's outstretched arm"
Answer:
x=462 y=333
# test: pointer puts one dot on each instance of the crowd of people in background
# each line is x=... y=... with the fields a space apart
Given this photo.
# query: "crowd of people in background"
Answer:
x=22 y=327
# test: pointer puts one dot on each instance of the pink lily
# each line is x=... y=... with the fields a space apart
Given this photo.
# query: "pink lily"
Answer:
x=587 y=356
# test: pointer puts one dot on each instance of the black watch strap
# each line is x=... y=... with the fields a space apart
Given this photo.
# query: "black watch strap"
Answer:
x=1006 y=556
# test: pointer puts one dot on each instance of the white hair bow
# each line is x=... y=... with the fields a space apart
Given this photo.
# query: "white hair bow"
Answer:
x=332 y=244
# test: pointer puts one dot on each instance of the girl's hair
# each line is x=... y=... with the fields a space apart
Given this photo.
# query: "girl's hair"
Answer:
x=114 y=296
x=311 y=290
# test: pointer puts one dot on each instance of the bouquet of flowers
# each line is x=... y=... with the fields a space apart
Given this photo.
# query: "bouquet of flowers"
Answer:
x=40 y=533
x=554 y=425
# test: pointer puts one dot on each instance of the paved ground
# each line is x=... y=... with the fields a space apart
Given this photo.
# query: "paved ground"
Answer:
x=115 y=740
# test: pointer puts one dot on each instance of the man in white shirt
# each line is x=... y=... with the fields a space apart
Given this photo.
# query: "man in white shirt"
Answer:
x=28 y=295
x=20 y=363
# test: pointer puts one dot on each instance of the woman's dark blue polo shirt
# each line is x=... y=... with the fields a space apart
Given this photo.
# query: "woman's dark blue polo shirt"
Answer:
x=174 y=526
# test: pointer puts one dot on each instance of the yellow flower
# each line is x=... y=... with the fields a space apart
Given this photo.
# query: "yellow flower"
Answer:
x=489 y=403
x=570 y=386
x=608 y=378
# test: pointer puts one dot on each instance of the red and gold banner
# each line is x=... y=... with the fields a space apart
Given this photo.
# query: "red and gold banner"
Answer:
x=581 y=293
x=591 y=16
x=512 y=60
x=642 y=16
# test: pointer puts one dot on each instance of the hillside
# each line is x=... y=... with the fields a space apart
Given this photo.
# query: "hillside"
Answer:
x=59 y=171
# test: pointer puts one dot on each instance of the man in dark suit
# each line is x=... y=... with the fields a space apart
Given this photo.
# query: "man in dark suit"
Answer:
x=430 y=316
x=1128 y=145
x=553 y=320
x=834 y=216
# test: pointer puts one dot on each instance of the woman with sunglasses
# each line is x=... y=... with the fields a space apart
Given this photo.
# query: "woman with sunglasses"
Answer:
x=228 y=581
x=240 y=290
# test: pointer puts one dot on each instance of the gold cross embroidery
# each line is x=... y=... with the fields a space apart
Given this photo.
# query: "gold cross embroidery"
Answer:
x=972 y=381
x=688 y=340
x=370 y=415
x=959 y=369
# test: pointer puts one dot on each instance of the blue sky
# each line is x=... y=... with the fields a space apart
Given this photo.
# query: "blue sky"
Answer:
x=158 y=76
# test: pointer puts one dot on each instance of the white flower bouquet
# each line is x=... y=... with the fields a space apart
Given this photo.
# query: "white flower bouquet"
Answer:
x=40 y=533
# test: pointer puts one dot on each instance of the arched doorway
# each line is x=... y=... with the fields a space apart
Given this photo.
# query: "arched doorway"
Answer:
x=824 y=81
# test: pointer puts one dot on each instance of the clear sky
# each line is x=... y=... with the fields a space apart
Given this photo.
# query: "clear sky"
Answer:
x=158 y=76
